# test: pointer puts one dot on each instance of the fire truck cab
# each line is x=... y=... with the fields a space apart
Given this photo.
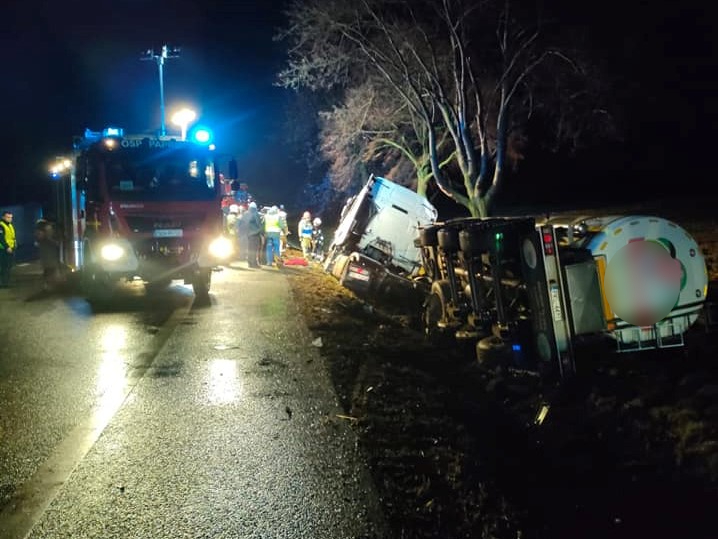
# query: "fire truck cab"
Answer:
x=142 y=207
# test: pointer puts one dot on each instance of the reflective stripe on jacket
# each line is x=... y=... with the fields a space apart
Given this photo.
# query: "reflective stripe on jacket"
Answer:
x=305 y=228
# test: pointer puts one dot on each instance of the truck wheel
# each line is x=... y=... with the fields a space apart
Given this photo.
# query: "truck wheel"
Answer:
x=344 y=273
x=434 y=315
x=339 y=267
x=96 y=285
x=202 y=282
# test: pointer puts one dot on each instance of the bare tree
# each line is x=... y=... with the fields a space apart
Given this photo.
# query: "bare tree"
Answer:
x=373 y=131
x=470 y=73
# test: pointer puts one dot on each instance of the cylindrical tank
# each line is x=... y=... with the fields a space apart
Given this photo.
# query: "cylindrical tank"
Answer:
x=605 y=236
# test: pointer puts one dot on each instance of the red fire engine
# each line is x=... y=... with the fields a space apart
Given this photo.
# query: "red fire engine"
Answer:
x=142 y=206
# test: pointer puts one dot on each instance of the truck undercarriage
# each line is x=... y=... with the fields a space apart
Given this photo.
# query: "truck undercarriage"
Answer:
x=523 y=293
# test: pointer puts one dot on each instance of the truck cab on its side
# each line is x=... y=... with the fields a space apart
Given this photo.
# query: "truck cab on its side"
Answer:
x=373 y=249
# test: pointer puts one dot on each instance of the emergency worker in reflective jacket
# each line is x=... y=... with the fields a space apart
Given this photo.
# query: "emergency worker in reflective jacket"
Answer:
x=305 y=228
x=272 y=232
x=8 y=243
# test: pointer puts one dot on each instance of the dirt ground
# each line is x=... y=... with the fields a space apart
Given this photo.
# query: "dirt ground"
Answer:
x=628 y=448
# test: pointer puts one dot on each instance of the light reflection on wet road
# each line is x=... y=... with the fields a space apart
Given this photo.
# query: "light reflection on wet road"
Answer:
x=117 y=420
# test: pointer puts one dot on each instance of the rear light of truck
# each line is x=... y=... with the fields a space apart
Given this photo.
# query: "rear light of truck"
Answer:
x=548 y=243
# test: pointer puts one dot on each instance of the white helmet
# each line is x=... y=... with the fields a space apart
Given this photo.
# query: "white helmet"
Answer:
x=234 y=208
x=317 y=221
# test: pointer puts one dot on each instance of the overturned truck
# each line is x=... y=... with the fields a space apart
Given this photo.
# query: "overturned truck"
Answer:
x=373 y=251
x=524 y=291
x=528 y=292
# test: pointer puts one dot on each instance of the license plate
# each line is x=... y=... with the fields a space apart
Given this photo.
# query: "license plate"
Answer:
x=358 y=276
x=167 y=233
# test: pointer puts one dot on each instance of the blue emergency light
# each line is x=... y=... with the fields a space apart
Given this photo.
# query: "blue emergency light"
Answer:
x=112 y=132
x=201 y=135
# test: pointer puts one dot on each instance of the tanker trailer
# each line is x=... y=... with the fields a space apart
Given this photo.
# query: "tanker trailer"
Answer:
x=540 y=286
x=605 y=237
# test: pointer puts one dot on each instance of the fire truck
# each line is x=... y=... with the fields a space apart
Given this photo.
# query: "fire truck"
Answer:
x=141 y=207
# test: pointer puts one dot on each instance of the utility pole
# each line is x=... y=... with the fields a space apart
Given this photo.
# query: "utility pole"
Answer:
x=165 y=52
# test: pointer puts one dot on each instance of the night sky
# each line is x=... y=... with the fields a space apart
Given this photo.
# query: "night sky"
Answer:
x=75 y=65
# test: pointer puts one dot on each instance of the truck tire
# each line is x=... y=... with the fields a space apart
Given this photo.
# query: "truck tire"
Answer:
x=96 y=285
x=339 y=267
x=435 y=311
x=201 y=283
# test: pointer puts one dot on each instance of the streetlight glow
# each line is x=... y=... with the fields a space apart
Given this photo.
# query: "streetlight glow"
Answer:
x=183 y=118
x=59 y=166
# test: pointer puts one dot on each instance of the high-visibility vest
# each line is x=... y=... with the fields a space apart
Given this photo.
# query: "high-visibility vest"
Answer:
x=9 y=234
x=271 y=223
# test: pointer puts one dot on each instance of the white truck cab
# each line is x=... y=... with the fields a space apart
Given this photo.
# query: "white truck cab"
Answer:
x=376 y=234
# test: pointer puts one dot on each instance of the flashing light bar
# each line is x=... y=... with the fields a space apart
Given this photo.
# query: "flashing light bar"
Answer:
x=200 y=135
x=113 y=132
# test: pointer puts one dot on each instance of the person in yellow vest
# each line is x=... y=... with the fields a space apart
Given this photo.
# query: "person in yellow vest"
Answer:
x=304 y=229
x=8 y=243
x=272 y=233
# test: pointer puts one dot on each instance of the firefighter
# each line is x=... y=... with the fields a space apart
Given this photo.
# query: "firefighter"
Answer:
x=272 y=232
x=254 y=234
x=241 y=194
x=285 y=229
x=8 y=243
x=232 y=217
x=304 y=228
x=317 y=240
x=49 y=251
x=241 y=233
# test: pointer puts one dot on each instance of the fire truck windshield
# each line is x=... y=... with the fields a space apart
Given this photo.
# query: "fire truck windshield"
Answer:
x=161 y=175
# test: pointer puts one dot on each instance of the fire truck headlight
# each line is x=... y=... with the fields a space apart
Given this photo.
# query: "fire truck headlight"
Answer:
x=220 y=247
x=111 y=252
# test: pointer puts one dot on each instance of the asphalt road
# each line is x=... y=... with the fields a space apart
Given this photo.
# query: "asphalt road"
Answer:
x=159 y=417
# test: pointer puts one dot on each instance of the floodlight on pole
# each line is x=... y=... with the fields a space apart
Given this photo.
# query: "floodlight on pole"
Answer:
x=165 y=52
x=182 y=118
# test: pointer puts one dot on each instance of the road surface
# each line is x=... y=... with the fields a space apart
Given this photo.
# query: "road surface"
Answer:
x=161 y=417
